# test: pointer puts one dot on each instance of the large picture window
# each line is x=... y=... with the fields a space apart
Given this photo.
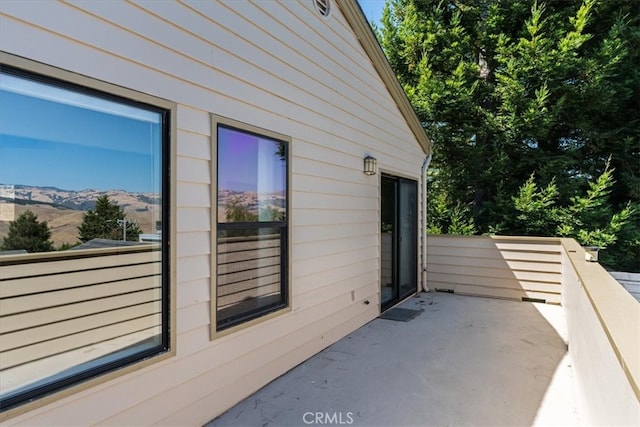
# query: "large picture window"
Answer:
x=84 y=230
x=252 y=217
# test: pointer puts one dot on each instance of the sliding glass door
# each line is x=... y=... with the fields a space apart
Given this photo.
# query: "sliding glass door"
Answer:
x=399 y=239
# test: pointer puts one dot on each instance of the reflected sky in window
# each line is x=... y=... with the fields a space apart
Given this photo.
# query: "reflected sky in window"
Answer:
x=250 y=163
x=252 y=177
x=55 y=137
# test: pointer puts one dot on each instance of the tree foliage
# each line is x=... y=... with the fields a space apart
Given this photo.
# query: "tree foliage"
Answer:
x=514 y=89
x=106 y=221
x=27 y=233
x=446 y=216
x=238 y=211
x=589 y=218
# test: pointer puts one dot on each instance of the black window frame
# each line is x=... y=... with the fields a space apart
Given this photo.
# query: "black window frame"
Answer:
x=67 y=80
x=283 y=226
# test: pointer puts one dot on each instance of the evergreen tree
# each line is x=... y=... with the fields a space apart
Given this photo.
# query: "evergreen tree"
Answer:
x=510 y=89
x=106 y=221
x=588 y=218
x=507 y=88
x=27 y=233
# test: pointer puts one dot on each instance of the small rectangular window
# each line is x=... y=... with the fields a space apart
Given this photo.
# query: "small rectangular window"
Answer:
x=84 y=227
x=252 y=218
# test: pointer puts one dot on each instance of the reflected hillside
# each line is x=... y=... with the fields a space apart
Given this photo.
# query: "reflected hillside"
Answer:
x=63 y=209
x=240 y=206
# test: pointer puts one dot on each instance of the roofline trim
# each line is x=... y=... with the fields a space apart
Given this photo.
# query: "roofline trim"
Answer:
x=358 y=22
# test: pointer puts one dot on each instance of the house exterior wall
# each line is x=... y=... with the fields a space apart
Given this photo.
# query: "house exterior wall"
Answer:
x=275 y=65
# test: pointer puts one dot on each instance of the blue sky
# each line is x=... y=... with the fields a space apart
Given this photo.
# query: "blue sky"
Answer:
x=52 y=137
x=372 y=9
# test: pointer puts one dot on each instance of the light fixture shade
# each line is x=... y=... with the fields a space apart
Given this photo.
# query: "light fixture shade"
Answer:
x=370 y=165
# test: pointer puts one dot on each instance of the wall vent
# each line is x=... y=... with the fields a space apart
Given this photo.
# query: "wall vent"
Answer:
x=527 y=299
x=323 y=7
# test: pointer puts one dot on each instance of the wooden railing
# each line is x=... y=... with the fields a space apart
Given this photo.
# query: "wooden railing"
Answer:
x=603 y=319
x=60 y=309
x=497 y=266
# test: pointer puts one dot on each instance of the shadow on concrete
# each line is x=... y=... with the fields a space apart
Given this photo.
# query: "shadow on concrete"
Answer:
x=462 y=361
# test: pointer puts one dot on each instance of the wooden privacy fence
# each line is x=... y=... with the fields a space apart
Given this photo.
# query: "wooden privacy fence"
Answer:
x=521 y=268
x=54 y=303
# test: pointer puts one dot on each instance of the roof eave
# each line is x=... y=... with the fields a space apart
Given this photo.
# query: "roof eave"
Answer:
x=358 y=22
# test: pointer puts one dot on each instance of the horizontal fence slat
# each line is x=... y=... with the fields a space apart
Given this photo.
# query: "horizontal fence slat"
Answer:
x=256 y=273
x=491 y=282
x=51 y=331
x=527 y=286
x=239 y=256
x=248 y=270
x=56 y=366
x=529 y=247
x=502 y=293
x=263 y=291
x=37 y=351
x=85 y=293
x=532 y=265
x=491 y=273
x=486 y=253
x=250 y=264
x=506 y=293
x=61 y=313
x=71 y=263
x=248 y=284
x=239 y=244
x=46 y=282
x=501 y=243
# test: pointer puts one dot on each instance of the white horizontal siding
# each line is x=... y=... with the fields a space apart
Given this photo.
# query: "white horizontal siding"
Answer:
x=275 y=65
x=193 y=268
x=193 y=292
x=318 y=265
x=194 y=219
x=194 y=243
x=327 y=217
x=193 y=170
x=316 y=233
x=339 y=280
x=327 y=247
x=193 y=195
x=327 y=185
x=311 y=200
x=193 y=316
x=193 y=145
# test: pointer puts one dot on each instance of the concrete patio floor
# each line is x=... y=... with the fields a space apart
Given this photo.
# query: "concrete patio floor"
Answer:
x=462 y=361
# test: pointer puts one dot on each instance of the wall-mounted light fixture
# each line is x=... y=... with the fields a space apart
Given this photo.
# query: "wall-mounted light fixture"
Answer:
x=370 y=165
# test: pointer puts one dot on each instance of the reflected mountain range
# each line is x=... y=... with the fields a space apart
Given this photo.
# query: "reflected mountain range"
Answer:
x=251 y=201
x=79 y=199
x=63 y=209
